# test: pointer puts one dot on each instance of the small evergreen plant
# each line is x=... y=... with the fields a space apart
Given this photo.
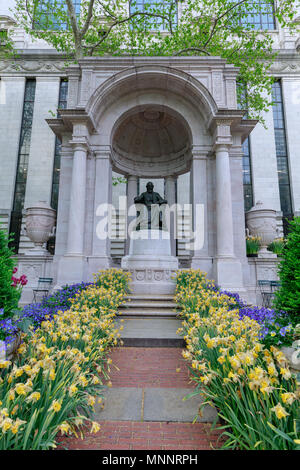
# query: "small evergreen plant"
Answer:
x=288 y=296
x=9 y=295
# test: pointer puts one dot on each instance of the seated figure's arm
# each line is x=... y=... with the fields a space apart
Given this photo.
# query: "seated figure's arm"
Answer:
x=139 y=199
x=161 y=200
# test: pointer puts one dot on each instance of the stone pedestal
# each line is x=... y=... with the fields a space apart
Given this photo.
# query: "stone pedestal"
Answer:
x=150 y=262
x=34 y=267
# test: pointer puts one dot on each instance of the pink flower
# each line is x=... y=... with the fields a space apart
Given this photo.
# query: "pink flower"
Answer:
x=15 y=270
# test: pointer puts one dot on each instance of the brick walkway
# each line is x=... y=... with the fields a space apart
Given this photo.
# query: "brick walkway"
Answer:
x=131 y=435
x=148 y=368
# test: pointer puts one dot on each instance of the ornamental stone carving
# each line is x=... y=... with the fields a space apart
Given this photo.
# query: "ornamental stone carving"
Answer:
x=262 y=223
x=40 y=222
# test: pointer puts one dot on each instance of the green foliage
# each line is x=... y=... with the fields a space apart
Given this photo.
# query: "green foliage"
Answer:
x=118 y=180
x=206 y=28
x=277 y=246
x=252 y=245
x=288 y=296
x=9 y=295
x=60 y=371
x=249 y=383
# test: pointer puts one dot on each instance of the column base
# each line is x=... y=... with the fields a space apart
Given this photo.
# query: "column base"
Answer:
x=203 y=263
x=228 y=274
x=95 y=264
x=70 y=270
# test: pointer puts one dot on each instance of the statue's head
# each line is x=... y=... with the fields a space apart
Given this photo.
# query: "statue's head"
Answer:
x=149 y=187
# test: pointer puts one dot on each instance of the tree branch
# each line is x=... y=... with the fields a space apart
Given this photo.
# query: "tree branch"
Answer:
x=119 y=22
x=188 y=49
x=220 y=17
x=88 y=18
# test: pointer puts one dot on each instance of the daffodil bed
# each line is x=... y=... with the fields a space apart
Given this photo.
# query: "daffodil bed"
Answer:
x=60 y=369
x=250 y=384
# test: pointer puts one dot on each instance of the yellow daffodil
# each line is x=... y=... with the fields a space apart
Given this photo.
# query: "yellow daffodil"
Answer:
x=55 y=406
x=288 y=398
x=280 y=411
x=95 y=427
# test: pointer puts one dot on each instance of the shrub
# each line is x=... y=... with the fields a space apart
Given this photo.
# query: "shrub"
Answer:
x=277 y=246
x=288 y=296
x=9 y=293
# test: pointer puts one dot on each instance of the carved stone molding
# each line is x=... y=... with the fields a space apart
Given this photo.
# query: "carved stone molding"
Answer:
x=30 y=66
x=152 y=275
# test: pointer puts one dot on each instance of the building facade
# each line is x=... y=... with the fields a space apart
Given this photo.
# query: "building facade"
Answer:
x=124 y=121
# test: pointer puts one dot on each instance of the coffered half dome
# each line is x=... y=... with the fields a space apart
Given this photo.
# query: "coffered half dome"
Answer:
x=151 y=142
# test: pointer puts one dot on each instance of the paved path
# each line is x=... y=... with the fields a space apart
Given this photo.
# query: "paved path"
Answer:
x=144 y=407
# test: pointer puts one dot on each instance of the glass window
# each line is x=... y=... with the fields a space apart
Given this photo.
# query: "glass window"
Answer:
x=45 y=17
x=22 y=166
x=62 y=104
x=247 y=173
x=167 y=7
x=263 y=18
x=281 y=151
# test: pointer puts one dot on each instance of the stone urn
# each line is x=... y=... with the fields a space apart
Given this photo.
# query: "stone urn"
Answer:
x=261 y=222
x=40 y=223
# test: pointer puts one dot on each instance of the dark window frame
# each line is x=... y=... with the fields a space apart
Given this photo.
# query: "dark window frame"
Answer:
x=262 y=24
x=141 y=3
x=246 y=160
x=282 y=154
x=22 y=162
x=56 y=26
x=62 y=104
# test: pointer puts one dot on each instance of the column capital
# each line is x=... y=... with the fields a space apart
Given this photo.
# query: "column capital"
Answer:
x=201 y=152
x=222 y=133
x=171 y=177
x=132 y=178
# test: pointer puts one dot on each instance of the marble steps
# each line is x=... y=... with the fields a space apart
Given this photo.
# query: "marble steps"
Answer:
x=150 y=321
x=150 y=332
x=149 y=305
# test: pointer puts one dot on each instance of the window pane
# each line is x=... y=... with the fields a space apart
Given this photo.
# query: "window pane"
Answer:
x=45 y=14
x=281 y=150
x=164 y=8
x=22 y=166
x=62 y=104
x=261 y=16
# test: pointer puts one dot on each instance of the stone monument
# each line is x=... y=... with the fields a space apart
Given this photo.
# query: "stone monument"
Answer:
x=149 y=260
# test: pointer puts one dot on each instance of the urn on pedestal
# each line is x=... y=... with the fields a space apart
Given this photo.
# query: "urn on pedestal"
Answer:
x=261 y=221
x=40 y=223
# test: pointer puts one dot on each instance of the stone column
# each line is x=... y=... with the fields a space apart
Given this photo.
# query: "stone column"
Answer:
x=77 y=201
x=71 y=266
x=170 y=196
x=132 y=188
x=198 y=187
x=227 y=268
x=100 y=258
x=224 y=203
